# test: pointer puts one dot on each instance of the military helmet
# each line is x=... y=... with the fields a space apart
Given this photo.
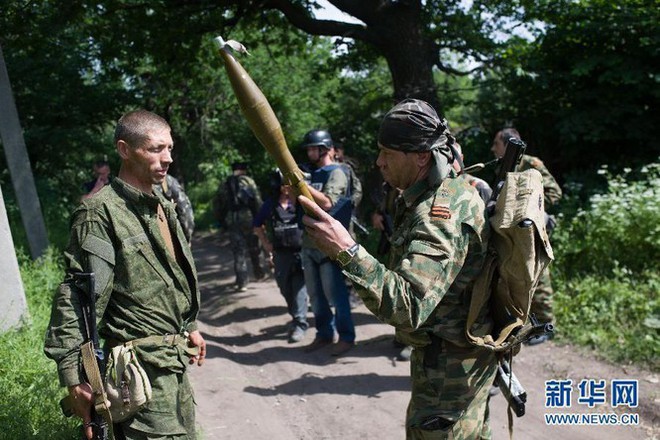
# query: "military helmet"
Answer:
x=317 y=138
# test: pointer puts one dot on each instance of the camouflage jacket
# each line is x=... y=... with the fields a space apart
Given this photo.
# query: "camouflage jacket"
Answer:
x=356 y=184
x=438 y=248
x=551 y=188
x=173 y=191
x=238 y=200
x=141 y=289
x=482 y=187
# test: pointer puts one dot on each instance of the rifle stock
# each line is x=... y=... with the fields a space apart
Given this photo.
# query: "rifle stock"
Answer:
x=260 y=116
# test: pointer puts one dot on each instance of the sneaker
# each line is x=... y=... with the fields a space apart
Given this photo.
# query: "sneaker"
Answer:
x=404 y=355
x=241 y=288
x=317 y=343
x=297 y=334
x=536 y=340
x=341 y=347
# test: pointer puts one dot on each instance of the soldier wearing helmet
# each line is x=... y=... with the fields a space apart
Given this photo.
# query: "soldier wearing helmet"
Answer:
x=330 y=188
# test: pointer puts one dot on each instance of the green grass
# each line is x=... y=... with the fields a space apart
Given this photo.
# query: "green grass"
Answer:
x=616 y=316
x=607 y=275
x=29 y=388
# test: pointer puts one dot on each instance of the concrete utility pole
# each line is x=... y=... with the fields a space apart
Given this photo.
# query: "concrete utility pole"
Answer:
x=19 y=167
x=13 y=306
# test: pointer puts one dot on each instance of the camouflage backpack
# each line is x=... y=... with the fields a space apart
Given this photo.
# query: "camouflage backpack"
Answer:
x=518 y=252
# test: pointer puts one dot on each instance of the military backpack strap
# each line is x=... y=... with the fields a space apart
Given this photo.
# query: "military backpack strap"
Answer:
x=164 y=186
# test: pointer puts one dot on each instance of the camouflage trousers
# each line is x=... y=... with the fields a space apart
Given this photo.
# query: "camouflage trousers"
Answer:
x=450 y=399
x=244 y=243
x=169 y=415
x=542 y=299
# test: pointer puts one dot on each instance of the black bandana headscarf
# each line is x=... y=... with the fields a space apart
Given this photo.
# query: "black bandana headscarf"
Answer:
x=414 y=126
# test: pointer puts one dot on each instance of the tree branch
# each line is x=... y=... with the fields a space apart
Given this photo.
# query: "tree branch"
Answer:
x=301 y=19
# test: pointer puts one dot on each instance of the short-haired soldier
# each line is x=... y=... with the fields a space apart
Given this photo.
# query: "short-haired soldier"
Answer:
x=146 y=286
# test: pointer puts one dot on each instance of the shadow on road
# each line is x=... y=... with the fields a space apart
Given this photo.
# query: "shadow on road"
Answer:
x=370 y=384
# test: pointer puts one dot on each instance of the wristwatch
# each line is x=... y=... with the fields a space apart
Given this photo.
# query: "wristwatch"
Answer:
x=344 y=257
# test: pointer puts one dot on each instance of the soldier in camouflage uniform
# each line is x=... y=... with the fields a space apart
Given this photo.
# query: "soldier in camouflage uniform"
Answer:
x=542 y=300
x=146 y=285
x=482 y=187
x=173 y=191
x=239 y=201
x=438 y=248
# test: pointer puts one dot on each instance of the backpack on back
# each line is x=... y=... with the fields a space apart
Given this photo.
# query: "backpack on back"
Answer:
x=519 y=251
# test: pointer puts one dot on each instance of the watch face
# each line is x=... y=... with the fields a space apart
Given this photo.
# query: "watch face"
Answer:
x=344 y=257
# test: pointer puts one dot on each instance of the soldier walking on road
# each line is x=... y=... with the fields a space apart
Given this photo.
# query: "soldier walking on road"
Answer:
x=542 y=299
x=438 y=247
x=238 y=200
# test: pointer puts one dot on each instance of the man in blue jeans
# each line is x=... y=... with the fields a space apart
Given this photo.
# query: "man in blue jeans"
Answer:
x=330 y=188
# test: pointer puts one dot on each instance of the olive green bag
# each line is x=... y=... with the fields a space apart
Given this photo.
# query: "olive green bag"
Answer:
x=518 y=252
x=126 y=383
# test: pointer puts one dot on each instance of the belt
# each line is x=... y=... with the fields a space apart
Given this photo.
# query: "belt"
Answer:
x=168 y=340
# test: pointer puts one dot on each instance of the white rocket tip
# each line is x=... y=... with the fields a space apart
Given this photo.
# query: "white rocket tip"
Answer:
x=219 y=42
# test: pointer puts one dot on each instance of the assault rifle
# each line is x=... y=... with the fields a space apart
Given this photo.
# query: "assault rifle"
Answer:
x=511 y=388
x=515 y=148
x=93 y=359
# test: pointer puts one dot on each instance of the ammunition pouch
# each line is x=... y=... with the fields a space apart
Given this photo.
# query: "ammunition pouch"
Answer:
x=126 y=383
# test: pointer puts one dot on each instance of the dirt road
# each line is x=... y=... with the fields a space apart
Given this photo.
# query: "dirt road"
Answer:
x=255 y=385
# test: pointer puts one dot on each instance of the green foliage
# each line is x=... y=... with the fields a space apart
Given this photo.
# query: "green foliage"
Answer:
x=606 y=269
x=617 y=315
x=29 y=389
x=617 y=229
x=586 y=87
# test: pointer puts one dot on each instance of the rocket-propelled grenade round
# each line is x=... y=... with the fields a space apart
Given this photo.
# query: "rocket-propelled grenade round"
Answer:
x=260 y=116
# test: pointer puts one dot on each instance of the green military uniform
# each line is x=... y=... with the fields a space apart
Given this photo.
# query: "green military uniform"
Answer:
x=142 y=290
x=438 y=248
x=551 y=188
x=542 y=300
x=482 y=187
x=173 y=191
x=240 y=200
